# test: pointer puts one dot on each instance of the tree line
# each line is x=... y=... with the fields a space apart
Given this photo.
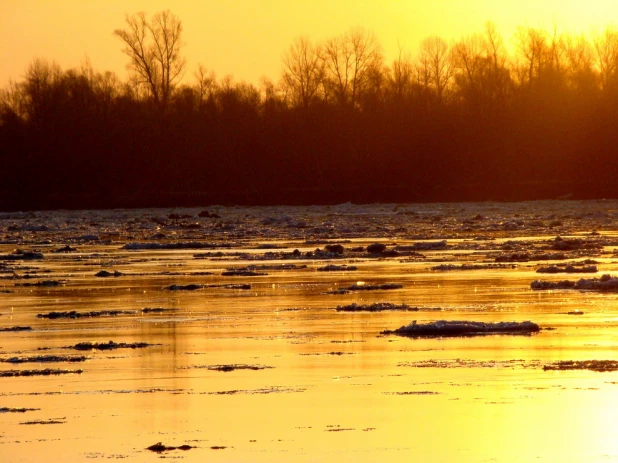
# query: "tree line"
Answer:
x=457 y=121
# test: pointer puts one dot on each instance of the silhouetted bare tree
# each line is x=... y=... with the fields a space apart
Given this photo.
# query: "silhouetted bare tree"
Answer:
x=303 y=72
x=154 y=51
x=434 y=66
x=206 y=83
x=468 y=58
x=606 y=46
x=401 y=76
x=579 y=56
x=349 y=61
x=41 y=89
x=480 y=72
x=494 y=45
x=533 y=53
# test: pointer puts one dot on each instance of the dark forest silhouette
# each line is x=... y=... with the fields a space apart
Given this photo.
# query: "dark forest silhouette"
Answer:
x=460 y=121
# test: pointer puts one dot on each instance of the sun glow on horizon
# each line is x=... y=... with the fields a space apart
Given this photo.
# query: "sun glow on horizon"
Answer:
x=246 y=38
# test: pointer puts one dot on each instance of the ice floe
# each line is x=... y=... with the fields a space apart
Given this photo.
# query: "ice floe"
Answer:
x=464 y=328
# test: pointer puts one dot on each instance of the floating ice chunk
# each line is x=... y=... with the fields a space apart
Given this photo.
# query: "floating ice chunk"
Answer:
x=242 y=272
x=105 y=274
x=19 y=254
x=540 y=285
x=189 y=287
x=376 y=248
x=464 y=328
x=568 y=269
x=605 y=283
x=381 y=306
x=337 y=268
x=593 y=365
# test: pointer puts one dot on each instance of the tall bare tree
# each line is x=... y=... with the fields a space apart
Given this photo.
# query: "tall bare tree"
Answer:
x=480 y=71
x=153 y=48
x=534 y=54
x=401 y=77
x=303 y=72
x=467 y=58
x=350 y=60
x=580 y=63
x=434 y=66
x=494 y=46
x=42 y=89
x=606 y=46
x=206 y=83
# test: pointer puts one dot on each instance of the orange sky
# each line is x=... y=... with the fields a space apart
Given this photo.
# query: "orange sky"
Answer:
x=246 y=38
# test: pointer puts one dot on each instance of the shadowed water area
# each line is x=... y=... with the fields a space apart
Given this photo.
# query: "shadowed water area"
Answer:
x=139 y=334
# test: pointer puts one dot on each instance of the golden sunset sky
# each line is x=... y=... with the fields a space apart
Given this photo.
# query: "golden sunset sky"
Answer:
x=246 y=38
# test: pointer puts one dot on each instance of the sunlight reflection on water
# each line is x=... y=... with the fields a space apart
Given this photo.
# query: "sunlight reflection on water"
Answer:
x=337 y=389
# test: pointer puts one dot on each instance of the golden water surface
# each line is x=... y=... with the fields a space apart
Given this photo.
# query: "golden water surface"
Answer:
x=336 y=389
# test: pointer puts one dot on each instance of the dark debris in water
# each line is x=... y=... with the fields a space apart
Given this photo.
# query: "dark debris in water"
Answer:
x=230 y=367
x=568 y=269
x=52 y=421
x=526 y=257
x=66 y=248
x=337 y=428
x=17 y=410
x=190 y=287
x=337 y=268
x=194 y=287
x=159 y=447
x=42 y=284
x=263 y=267
x=464 y=328
x=244 y=286
x=575 y=244
x=266 y=390
x=16 y=328
x=379 y=307
x=242 y=272
x=19 y=254
x=542 y=285
x=111 y=345
x=98 y=392
x=607 y=283
x=465 y=267
x=185 y=274
x=94 y=313
x=468 y=363
x=45 y=372
x=107 y=274
x=45 y=359
x=339 y=353
x=412 y=393
x=348 y=341
x=593 y=365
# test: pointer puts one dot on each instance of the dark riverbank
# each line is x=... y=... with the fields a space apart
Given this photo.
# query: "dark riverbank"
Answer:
x=40 y=200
